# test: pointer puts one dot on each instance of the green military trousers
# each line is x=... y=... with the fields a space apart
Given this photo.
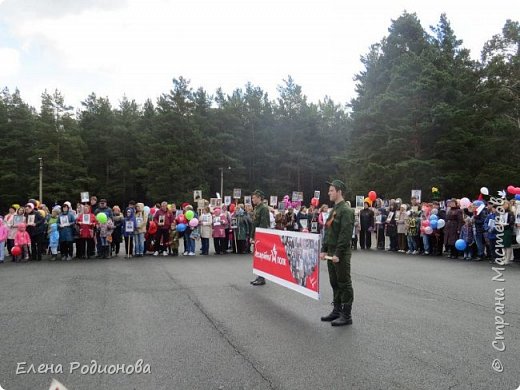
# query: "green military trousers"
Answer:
x=339 y=275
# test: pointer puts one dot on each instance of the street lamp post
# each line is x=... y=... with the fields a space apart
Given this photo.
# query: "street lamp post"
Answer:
x=222 y=181
x=41 y=179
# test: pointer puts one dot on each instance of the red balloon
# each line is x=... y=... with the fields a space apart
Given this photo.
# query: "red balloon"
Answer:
x=511 y=189
x=16 y=251
x=517 y=190
x=315 y=202
x=372 y=195
x=181 y=218
x=425 y=223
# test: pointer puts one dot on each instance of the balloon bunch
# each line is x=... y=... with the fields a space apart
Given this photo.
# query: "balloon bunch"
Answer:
x=432 y=223
x=370 y=199
x=514 y=191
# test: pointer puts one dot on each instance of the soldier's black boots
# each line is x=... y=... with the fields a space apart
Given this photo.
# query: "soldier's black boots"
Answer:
x=345 y=317
x=259 y=281
x=333 y=314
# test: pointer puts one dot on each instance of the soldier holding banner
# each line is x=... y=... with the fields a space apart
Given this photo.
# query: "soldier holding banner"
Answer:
x=336 y=249
x=260 y=220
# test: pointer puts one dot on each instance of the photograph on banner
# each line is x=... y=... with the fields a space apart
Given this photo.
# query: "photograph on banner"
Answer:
x=237 y=193
x=85 y=219
x=317 y=194
x=200 y=203
x=281 y=206
x=290 y=259
x=417 y=195
x=297 y=196
x=197 y=194
x=247 y=200
x=359 y=201
x=227 y=200
x=84 y=197
x=273 y=200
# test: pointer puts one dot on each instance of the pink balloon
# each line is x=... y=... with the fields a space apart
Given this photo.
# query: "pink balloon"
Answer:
x=426 y=223
x=428 y=230
x=194 y=222
x=465 y=203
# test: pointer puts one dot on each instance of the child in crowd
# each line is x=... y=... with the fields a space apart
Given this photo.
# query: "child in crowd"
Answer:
x=466 y=234
x=116 y=237
x=220 y=224
x=4 y=231
x=22 y=240
x=105 y=236
x=54 y=240
x=412 y=231
x=174 y=240
x=129 y=229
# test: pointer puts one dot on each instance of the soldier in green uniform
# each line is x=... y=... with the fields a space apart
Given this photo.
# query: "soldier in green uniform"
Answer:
x=260 y=220
x=337 y=251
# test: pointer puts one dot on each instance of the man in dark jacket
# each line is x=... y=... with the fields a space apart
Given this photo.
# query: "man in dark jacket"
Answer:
x=366 y=221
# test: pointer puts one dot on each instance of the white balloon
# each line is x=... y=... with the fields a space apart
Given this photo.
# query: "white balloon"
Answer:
x=428 y=230
x=484 y=191
x=441 y=223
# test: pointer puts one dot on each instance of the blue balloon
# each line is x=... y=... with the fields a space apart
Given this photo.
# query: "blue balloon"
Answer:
x=433 y=217
x=478 y=203
x=517 y=196
x=181 y=227
x=460 y=244
x=433 y=224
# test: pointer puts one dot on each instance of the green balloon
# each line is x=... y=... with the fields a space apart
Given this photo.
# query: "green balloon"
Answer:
x=102 y=218
x=189 y=215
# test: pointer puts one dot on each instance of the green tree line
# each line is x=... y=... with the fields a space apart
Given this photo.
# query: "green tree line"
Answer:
x=425 y=114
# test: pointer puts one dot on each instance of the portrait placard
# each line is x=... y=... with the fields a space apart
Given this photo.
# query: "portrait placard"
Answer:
x=64 y=220
x=417 y=195
x=359 y=201
x=84 y=197
x=129 y=226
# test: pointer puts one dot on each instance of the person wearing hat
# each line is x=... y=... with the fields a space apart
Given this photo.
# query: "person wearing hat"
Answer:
x=336 y=249
x=261 y=219
x=36 y=230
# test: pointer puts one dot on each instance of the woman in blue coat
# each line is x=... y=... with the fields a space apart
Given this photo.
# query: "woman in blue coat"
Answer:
x=66 y=223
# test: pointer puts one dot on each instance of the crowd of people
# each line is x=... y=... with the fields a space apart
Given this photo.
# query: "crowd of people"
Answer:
x=455 y=228
x=93 y=229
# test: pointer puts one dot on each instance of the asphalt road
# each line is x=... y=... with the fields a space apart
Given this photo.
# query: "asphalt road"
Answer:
x=419 y=323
